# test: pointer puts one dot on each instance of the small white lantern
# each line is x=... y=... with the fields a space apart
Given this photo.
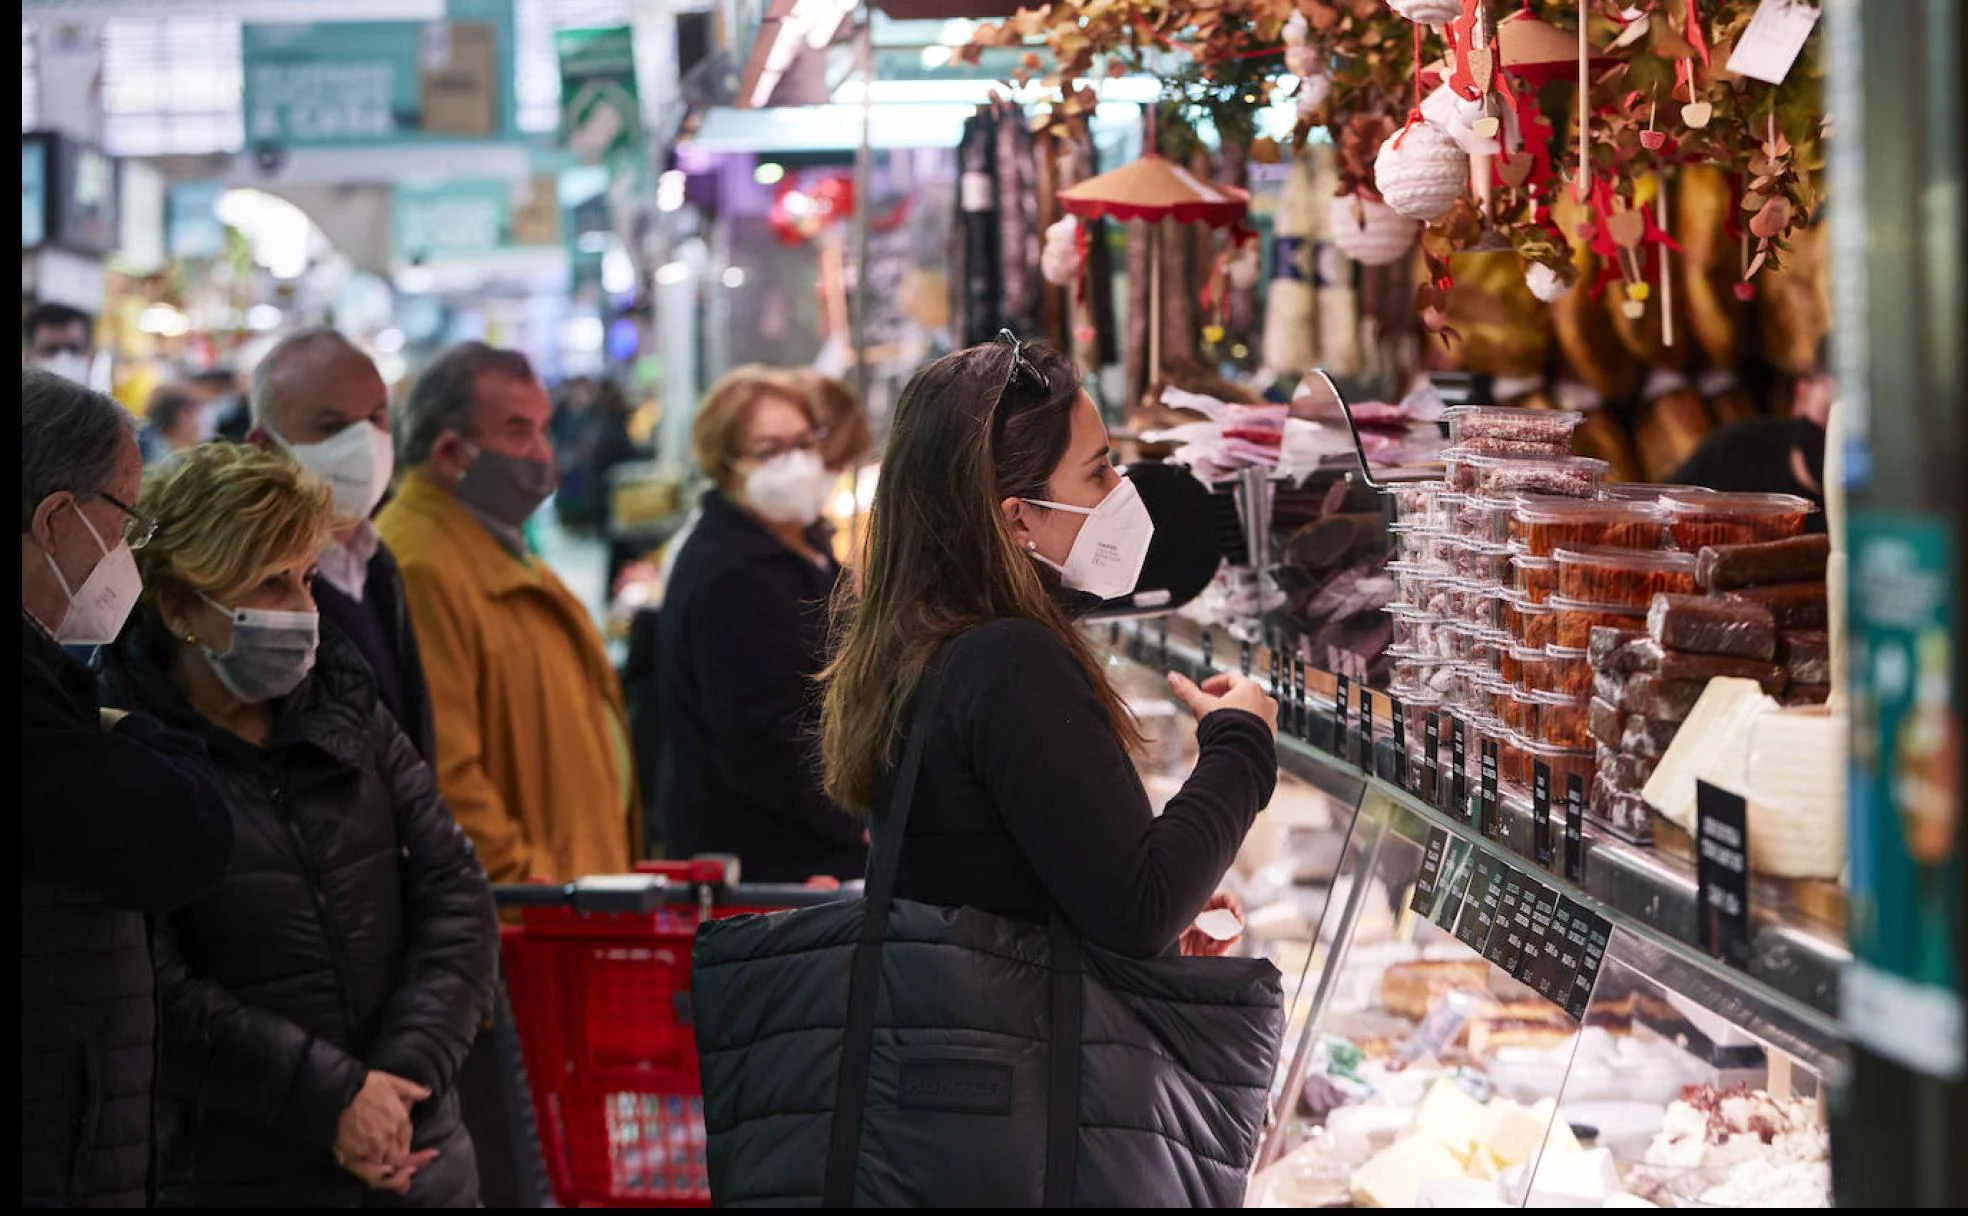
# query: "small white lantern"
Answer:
x=1369 y=231
x=1421 y=171
x=1427 y=12
x=1545 y=283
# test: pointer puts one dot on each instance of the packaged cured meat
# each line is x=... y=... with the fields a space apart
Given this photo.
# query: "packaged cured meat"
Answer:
x=1563 y=720
x=1576 y=620
x=1529 y=623
x=1714 y=517
x=1411 y=583
x=1474 y=602
x=1647 y=655
x=1645 y=737
x=1631 y=577
x=1791 y=605
x=1483 y=561
x=1626 y=816
x=1534 y=577
x=1511 y=430
x=1605 y=721
x=1805 y=694
x=1524 y=667
x=1500 y=476
x=1417 y=502
x=1626 y=772
x=1798 y=559
x=1650 y=696
x=1805 y=656
x=1608 y=686
x=1563 y=761
x=1567 y=670
x=1604 y=641
x=1419 y=630
x=1486 y=519
x=1705 y=626
x=1542 y=526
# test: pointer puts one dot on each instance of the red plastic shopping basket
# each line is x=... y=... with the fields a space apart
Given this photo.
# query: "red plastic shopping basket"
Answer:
x=600 y=980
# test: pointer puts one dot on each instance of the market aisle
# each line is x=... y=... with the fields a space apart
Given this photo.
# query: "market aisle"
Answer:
x=580 y=561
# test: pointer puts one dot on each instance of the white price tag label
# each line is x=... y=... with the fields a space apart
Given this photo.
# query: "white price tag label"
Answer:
x=1773 y=39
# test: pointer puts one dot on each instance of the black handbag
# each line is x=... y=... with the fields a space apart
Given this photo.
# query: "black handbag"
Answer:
x=893 y=1053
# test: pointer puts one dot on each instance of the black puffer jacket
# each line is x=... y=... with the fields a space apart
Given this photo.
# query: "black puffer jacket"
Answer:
x=116 y=825
x=355 y=931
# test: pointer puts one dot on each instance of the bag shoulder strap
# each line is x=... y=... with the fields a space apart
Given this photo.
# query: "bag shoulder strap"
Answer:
x=858 y=1038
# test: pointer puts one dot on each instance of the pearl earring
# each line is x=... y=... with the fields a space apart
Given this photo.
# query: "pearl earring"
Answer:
x=1032 y=545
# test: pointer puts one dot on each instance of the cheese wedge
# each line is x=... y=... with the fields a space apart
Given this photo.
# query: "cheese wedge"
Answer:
x=1712 y=746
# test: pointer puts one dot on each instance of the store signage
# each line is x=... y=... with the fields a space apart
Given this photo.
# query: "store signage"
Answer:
x=1541 y=813
x=1586 y=936
x=1574 y=827
x=1431 y=759
x=1400 y=716
x=1492 y=812
x=1423 y=901
x=34 y=193
x=370 y=82
x=1722 y=872
x=1458 y=772
x=192 y=228
x=600 y=116
x=1902 y=995
x=1542 y=969
x=1479 y=909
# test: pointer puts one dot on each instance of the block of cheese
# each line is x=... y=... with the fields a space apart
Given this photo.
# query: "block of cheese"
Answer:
x=1712 y=745
x=1392 y=1178
x=1796 y=788
x=1520 y=1130
x=1454 y=1119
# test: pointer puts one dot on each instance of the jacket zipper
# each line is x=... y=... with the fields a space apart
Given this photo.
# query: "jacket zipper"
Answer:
x=322 y=907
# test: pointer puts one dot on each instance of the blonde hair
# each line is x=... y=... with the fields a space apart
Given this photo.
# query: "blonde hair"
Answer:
x=727 y=409
x=227 y=515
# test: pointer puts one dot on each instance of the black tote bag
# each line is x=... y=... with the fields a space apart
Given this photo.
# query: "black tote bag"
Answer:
x=890 y=1053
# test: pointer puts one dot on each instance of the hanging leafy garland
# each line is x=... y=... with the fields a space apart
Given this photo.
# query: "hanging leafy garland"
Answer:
x=1658 y=96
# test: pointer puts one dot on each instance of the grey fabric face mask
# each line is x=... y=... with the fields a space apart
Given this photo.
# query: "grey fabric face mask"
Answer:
x=506 y=489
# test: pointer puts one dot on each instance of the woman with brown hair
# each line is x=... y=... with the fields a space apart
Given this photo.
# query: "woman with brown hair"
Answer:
x=999 y=503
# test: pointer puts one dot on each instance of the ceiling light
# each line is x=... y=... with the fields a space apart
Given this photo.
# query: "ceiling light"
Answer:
x=734 y=276
x=937 y=56
x=769 y=173
x=669 y=274
x=669 y=190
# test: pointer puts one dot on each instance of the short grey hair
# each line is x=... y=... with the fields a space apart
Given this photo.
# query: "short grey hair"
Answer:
x=295 y=352
x=69 y=439
x=446 y=395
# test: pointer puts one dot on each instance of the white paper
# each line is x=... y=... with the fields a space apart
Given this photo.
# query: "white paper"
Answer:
x=1219 y=923
x=1773 y=40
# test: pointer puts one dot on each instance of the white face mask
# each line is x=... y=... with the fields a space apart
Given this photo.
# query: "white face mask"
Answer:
x=1108 y=555
x=97 y=610
x=790 y=489
x=68 y=365
x=271 y=652
x=357 y=463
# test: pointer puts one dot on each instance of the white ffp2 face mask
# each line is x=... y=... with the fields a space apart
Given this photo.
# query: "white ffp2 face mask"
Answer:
x=356 y=463
x=69 y=365
x=1107 y=556
x=98 y=608
x=271 y=652
x=790 y=489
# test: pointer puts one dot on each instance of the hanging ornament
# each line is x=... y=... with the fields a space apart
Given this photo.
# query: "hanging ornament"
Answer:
x=1062 y=257
x=1369 y=231
x=1421 y=171
x=1301 y=57
x=1545 y=283
x=1427 y=12
x=1244 y=265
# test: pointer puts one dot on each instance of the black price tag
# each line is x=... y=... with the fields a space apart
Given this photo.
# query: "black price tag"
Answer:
x=1722 y=838
x=1458 y=772
x=1366 y=760
x=1431 y=759
x=1506 y=945
x=1114 y=635
x=1342 y=713
x=1452 y=884
x=1492 y=814
x=1400 y=717
x=1479 y=905
x=1574 y=827
x=1539 y=967
x=1162 y=639
x=1423 y=901
x=1209 y=654
x=1541 y=813
x=1557 y=962
x=1247 y=658
x=1301 y=712
x=1588 y=935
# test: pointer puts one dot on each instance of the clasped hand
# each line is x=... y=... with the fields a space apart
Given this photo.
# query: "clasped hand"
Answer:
x=372 y=1140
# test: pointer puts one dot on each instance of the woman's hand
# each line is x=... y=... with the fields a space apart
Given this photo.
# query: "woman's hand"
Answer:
x=1228 y=691
x=395 y=1179
x=1198 y=944
x=376 y=1125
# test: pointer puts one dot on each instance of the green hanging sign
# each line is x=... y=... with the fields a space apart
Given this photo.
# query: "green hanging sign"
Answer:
x=600 y=114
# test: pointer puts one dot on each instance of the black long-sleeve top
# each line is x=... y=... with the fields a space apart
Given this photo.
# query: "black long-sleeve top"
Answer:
x=1027 y=798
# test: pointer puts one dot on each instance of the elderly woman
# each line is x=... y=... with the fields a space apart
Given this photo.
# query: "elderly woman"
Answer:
x=316 y=1006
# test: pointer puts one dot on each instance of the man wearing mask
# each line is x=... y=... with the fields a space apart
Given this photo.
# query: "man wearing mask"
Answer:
x=321 y=400
x=532 y=750
x=120 y=819
x=58 y=341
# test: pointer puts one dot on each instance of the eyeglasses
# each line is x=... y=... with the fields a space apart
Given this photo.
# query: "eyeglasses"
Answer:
x=773 y=449
x=138 y=529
